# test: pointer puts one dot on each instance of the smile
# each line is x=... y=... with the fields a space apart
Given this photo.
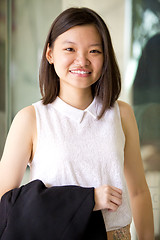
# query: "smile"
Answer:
x=80 y=72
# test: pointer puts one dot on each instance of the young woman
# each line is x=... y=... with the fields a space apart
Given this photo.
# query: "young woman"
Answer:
x=79 y=133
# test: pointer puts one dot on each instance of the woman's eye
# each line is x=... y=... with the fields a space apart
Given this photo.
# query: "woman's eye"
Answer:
x=69 y=49
x=95 y=51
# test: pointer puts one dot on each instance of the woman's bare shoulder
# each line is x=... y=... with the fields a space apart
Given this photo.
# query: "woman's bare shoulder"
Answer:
x=24 y=123
x=27 y=113
x=125 y=108
x=127 y=116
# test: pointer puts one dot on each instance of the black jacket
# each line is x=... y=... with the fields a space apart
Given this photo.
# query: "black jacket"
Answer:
x=35 y=212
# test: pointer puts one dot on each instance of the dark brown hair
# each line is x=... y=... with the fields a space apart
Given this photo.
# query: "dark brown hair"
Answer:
x=108 y=87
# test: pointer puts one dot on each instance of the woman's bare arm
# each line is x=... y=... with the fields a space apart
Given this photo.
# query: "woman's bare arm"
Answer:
x=133 y=168
x=17 y=150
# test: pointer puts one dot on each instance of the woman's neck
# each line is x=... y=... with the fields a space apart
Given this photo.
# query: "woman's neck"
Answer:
x=79 y=99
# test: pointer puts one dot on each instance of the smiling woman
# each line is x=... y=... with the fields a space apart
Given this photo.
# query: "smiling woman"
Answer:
x=79 y=134
x=98 y=47
x=77 y=56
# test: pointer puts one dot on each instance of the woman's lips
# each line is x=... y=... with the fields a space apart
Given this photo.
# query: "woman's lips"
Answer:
x=80 y=72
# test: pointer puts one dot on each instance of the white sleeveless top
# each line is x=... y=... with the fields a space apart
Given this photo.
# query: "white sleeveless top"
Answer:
x=75 y=148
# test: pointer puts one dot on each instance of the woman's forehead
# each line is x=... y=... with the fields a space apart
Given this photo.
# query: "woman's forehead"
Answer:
x=82 y=32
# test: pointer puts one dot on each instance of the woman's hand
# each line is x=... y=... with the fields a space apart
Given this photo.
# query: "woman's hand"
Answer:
x=107 y=197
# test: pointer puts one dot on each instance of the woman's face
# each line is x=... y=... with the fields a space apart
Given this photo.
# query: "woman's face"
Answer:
x=77 y=56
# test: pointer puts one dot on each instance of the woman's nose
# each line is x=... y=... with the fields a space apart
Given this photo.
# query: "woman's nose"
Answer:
x=82 y=60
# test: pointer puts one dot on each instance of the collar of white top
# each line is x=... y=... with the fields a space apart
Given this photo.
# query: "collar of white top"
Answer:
x=75 y=113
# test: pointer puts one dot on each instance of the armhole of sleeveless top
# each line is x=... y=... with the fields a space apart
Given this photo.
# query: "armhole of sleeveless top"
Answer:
x=120 y=120
x=38 y=129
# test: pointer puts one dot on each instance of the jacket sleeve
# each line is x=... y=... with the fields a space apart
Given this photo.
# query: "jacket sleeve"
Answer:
x=36 y=212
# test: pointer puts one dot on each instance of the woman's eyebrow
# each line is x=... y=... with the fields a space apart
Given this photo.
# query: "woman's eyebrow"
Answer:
x=96 y=44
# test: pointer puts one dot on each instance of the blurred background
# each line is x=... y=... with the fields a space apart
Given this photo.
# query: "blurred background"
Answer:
x=135 y=30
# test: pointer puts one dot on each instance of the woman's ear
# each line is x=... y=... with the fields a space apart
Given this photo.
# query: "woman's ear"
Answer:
x=49 y=54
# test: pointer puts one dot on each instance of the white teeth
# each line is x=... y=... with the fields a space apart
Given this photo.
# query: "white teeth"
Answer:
x=79 y=72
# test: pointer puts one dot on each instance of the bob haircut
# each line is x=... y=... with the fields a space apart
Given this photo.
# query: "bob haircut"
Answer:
x=108 y=86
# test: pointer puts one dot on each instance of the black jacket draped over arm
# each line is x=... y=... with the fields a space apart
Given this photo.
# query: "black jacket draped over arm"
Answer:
x=35 y=212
